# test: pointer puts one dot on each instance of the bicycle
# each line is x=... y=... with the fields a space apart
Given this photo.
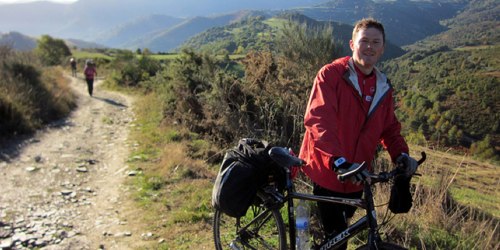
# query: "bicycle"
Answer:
x=263 y=227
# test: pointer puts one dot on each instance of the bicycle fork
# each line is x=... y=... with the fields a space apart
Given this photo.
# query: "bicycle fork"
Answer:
x=373 y=235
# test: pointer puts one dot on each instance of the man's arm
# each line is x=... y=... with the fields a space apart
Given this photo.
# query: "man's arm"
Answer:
x=320 y=119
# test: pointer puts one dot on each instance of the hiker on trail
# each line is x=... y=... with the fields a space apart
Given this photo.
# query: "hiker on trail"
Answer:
x=73 y=66
x=90 y=72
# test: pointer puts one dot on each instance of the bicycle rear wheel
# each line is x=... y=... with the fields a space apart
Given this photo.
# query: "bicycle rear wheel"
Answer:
x=258 y=229
x=383 y=246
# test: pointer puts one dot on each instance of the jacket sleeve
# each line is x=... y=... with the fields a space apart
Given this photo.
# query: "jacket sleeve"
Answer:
x=391 y=137
x=321 y=115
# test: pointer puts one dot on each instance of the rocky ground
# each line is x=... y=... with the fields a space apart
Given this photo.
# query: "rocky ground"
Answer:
x=63 y=188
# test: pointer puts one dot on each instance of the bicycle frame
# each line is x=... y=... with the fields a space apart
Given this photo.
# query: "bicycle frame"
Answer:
x=273 y=200
x=367 y=221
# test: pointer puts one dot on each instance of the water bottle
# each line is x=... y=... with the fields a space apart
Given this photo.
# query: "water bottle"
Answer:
x=302 y=226
x=234 y=245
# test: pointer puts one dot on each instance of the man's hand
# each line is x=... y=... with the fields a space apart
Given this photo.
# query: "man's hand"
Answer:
x=341 y=166
x=407 y=163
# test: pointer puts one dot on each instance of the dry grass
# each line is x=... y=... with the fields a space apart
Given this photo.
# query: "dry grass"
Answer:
x=174 y=190
x=439 y=219
x=30 y=95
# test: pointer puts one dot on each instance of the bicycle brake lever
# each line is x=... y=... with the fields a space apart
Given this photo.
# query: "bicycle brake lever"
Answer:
x=344 y=176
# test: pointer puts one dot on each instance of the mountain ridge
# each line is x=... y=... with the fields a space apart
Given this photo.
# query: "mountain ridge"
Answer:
x=116 y=23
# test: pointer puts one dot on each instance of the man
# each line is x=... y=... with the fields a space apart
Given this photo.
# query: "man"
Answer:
x=350 y=111
x=73 y=66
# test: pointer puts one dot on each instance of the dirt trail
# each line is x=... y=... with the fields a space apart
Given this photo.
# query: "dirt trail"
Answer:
x=63 y=188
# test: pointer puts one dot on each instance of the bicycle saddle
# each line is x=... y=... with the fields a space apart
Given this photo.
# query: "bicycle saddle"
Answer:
x=283 y=157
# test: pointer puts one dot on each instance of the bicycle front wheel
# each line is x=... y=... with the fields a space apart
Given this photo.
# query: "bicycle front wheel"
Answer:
x=383 y=246
x=259 y=229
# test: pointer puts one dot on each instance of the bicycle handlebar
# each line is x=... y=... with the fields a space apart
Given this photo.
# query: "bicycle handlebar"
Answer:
x=382 y=176
x=283 y=158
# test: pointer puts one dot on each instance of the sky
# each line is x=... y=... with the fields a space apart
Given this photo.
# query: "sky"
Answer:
x=25 y=1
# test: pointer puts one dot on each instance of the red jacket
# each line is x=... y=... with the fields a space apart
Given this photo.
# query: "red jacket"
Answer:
x=337 y=124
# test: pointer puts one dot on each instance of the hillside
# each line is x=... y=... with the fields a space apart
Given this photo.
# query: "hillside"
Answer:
x=478 y=24
x=259 y=32
x=166 y=40
x=17 y=41
x=449 y=83
x=164 y=25
x=140 y=27
x=405 y=21
x=90 y=19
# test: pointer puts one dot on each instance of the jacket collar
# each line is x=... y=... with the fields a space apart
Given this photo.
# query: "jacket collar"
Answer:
x=382 y=84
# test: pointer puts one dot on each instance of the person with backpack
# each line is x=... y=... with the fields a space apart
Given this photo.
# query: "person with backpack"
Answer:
x=72 y=62
x=350 y=112
x=90 y=72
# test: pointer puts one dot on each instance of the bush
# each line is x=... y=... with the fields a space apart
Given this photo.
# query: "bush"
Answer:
x=51 y=51
x=30 y=96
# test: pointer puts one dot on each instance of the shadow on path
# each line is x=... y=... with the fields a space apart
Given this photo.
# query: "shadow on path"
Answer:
x=11 y=146
x=110 y=101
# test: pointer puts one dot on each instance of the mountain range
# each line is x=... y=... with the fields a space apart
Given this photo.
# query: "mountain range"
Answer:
x=163 y=25
x=93 y=19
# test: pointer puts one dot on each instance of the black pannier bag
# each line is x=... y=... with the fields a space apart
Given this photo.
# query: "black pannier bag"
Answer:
x=243 y=171
x=401 y=198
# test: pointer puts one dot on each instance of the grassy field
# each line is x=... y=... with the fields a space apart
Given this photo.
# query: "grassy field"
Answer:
x=174 y=56
x=468 y=48
x=276 y=23
x=473 y=183
x=82 y=55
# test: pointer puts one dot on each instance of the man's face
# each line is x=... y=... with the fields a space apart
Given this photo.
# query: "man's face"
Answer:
x=367 y=47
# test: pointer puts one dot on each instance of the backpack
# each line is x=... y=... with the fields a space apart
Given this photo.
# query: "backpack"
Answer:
x=244 y=169
x=89 y=72
x=401 y=199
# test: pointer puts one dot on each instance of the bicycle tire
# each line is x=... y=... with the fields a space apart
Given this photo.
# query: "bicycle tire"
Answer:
x=383 y=246
x=266 y=233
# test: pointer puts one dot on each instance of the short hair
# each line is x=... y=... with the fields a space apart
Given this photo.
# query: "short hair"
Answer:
x=366 y=23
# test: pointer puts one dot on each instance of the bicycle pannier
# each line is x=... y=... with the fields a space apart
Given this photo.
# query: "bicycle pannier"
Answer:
x=401 y=199
x=243 y=170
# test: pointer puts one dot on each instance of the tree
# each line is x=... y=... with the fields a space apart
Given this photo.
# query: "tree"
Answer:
x=51 y=51
x=304 y=49
x=484 y=150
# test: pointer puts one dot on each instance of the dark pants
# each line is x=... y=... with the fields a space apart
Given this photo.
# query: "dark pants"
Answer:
x=334 y=216
x=90 y=85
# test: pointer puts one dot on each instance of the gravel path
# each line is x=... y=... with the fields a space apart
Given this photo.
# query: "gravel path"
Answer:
x=63 y=188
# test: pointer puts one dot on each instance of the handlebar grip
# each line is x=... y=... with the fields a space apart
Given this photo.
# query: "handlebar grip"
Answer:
x=424 y=156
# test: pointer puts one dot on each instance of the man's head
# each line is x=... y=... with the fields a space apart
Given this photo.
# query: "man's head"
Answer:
x=367 y=44
x=366 y=23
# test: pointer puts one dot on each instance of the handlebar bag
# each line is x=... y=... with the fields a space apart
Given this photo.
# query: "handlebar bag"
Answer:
x=401 y=199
